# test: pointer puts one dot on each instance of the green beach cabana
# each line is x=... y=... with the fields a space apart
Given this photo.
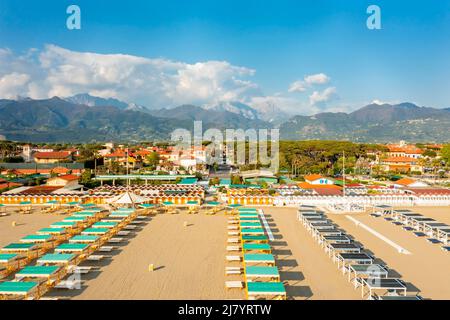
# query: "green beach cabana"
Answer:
x=266 y=289
x=255 y=272
x=251 y=238
x=258 y=258
x=84 y=239
x=16 y=288
x=263 y=247
x=258 y=231
x=52 y=231
x=64 y=224
x=95 y=231
x=45 y=272
x=36 y=238
x=104 y=224
x=57 y=259
x=72 y=248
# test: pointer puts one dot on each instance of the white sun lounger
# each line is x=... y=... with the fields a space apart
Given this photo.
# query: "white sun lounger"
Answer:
x=233 y=271
x=234 y=240
x=234 y=285
x=233 y=233
x=95 y=257
x=233 y=258
x=130 y=227
x=233 y=248
x=115 y=240
x=123 y=233
x=233 y=227
x=106 y=249
x=69 y=284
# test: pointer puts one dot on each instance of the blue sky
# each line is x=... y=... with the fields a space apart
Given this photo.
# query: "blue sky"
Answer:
x=277 y=42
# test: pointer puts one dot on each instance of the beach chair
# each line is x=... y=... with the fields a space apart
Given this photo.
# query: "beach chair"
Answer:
x=233 y=248
x=68 y=285
x=233 y=271
x=95 y=257
x=123 y=233
x=234 y=240
x=233 y=258
x=233 y=233
x=234 y=285
x=115 y=240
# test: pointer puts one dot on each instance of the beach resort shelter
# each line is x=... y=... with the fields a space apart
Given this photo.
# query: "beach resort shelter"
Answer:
x=52 y=231
x=10 y=289
x=255 y=238
x=366 y=271
x=353 y=258
x=128 y=198
x=86 y=239
x=262 y=272
x=259 y=258
x=72 y=248
x=30 y=249
x=383 y=285
x=63 y=259
x=95 y=231
x=383 y=209
x=266 y=290
x=38 y=272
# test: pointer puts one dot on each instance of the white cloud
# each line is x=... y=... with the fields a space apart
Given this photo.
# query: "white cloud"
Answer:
x=153 y=82
x=319 y=78
x=308 y=82
x=56 y=71
x=319 y=98
x=11 y=85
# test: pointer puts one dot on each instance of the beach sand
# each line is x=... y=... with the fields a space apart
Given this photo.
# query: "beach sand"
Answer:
x=425 y=269
x=189 y=261
x=25 y=224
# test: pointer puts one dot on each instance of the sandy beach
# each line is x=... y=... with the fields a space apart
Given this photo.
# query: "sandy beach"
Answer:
x=189 y=261
x=424 y=270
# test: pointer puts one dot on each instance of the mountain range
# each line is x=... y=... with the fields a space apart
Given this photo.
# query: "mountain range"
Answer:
x=84 y=118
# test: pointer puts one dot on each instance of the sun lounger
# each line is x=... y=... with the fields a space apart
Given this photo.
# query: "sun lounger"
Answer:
x=115 y=240
x=123 y=233
x=433 y=241
x=69 y=285
x=233 y=248
x=81 y=270
x=233 y=227
x=233 y=271
x=234 y=240
x=234 y=285
x=233 y=233
x=93 y=257
x=233 y=258
x=106 y=249
x=130 y=227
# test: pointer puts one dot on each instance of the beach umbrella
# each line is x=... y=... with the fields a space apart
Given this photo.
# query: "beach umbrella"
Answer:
x=127 y=198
